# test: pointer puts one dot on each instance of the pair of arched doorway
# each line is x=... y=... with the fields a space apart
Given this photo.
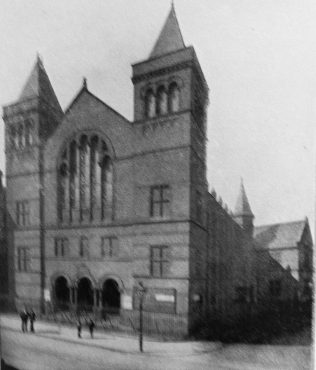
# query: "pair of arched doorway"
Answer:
x=85 y=296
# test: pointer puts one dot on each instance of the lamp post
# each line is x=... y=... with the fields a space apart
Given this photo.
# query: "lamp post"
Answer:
x=141 y=291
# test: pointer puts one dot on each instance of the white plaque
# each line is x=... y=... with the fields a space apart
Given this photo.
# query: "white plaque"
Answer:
x=164 y=298
x=47 y=295
x=127 y=302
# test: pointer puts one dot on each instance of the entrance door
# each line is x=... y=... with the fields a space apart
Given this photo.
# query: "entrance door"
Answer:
x=111 y=297
x=62 y=293
x=85 y=294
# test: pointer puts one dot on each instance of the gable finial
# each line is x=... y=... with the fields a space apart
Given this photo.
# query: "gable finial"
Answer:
x=84 y=82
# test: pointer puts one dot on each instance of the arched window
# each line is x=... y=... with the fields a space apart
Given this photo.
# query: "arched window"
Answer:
x=162 y=101
x=106 y=186
x=174 y=97
x=21 y=138
x=14 y=138
x=28 y=133
x=150 y=104
x=85 y=181
x=84 y=247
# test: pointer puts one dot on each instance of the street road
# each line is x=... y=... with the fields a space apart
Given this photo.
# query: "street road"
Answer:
x=40 y=352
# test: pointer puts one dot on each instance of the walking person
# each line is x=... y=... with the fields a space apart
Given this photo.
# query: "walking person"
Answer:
x=32 y=318
x=79 y=328
x=91 y=327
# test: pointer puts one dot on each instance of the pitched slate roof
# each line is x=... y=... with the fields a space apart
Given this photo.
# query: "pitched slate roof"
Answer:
x=38 y=85
x=242 y=207
x=283 y=235
x=170 y=38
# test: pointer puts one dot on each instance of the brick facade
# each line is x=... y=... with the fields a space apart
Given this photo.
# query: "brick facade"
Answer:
x=161 y=226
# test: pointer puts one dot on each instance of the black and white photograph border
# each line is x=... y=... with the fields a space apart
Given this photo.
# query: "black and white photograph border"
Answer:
x=157 y=184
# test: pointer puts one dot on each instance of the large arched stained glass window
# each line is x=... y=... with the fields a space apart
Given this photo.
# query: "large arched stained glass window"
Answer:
x=85 y=181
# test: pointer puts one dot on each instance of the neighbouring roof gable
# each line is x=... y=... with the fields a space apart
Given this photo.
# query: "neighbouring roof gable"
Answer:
x=283 y=235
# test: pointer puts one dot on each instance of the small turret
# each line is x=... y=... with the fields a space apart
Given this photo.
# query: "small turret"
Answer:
x=243 y=214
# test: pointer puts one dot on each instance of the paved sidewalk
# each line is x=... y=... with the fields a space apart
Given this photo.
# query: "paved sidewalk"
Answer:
x=117 y=342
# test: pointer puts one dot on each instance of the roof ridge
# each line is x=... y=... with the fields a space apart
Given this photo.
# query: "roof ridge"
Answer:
x=282 y=223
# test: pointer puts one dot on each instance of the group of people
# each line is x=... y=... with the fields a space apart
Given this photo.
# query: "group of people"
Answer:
x=90 y=325
x=27 y=316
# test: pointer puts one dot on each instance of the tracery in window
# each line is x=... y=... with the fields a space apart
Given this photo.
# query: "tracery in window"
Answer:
x=85 y=181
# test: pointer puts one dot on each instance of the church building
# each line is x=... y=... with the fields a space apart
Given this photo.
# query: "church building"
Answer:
x=98 y=206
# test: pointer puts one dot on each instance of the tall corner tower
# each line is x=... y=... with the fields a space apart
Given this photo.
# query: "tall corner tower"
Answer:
x=170 y=102
x=29 y=122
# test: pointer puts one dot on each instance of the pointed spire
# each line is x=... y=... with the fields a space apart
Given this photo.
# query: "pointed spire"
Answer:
x=242 y=206
x=170 y=38
x=38 y=85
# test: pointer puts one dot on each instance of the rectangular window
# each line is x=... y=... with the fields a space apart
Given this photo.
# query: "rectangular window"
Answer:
x=109 y=246
x=61 y=247
x=23 y=259
x=22 y=213
x=159 y=201
x=275 y=288
x=159 y=261
x=84 y=247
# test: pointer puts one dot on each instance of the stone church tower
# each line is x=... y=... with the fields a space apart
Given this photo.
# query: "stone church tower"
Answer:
x=175 y=128
x=29 y=122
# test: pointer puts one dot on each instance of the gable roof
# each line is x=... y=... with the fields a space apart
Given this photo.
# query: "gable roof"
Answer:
x=282 y=235
x=38 y=85
x=170 y=38
x=84 y=90
x=242 y=207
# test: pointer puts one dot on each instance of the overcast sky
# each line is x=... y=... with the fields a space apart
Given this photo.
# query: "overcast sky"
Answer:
x=258 y=57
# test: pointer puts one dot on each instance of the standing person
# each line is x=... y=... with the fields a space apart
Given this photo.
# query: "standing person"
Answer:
x=79 y=327
x=32 y=318
x=91 y=327
x=23 y=316
x=26 y=318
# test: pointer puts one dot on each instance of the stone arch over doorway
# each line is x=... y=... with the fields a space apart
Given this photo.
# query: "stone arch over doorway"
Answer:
x=85 y=293
x=111 y=295
x=61 y=286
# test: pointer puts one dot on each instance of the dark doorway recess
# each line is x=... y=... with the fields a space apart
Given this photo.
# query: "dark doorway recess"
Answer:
x=111 y=297
x=85 y=294
x=62 y=292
